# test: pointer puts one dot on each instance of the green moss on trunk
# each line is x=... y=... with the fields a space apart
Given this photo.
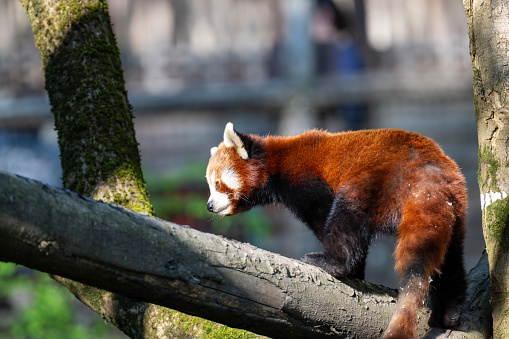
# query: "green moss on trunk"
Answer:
x=187 y=327
x=86 y=88
x=497 y=225
x=496 y=234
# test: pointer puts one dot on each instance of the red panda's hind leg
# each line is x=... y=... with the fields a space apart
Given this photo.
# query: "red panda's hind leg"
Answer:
x=447 y=292
x=424 y=235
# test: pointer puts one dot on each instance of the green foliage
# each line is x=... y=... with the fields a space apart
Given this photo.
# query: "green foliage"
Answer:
x=181 y=196
x=41 y=308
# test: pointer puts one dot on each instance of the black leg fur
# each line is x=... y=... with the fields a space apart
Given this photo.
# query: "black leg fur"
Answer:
x=447 y=293
x=346 y=244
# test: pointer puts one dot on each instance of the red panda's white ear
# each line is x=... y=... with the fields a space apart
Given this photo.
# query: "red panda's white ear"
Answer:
x=232 y=139
x=213 y=151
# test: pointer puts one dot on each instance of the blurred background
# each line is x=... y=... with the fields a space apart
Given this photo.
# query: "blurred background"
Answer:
x=268 y=66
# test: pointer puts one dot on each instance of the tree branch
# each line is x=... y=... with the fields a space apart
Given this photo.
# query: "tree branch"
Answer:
x=60 y=232
x=237 y=284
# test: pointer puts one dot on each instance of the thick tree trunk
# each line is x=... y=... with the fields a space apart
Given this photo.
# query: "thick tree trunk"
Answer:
x=99 y=151
x=489 y=48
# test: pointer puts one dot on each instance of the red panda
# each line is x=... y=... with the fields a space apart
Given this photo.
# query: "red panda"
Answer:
x=347 y=188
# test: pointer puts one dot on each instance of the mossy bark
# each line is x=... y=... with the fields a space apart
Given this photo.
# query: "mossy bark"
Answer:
x=99 y=151
x=93 y=117
x=489 y=48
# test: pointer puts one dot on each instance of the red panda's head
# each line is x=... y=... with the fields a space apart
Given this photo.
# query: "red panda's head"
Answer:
x=231 y=174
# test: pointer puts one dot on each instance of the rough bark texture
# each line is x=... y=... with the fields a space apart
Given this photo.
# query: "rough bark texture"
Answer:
x=99 y=151
x=203 y=274
x=489 y=48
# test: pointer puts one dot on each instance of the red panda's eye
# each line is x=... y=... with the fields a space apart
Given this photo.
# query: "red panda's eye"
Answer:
x=218 y=185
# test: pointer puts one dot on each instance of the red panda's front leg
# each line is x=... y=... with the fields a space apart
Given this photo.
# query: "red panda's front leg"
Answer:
x=346 y=241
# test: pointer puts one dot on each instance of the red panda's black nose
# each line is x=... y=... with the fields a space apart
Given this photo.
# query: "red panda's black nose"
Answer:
x=210 y=206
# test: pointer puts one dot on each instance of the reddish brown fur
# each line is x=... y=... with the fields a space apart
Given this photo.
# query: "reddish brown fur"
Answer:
x=380 y=181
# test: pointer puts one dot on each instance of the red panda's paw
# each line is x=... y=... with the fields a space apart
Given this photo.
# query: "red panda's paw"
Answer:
x=320 y=260
x=449 y=318
x=452 y=319
x=313 y=258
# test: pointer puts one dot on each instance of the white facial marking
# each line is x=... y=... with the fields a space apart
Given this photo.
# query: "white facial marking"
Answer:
x=231 y=179
x=220 y=201
x=211 y=179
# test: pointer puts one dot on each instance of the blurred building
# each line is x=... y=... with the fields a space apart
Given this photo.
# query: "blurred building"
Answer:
x=193 y=65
